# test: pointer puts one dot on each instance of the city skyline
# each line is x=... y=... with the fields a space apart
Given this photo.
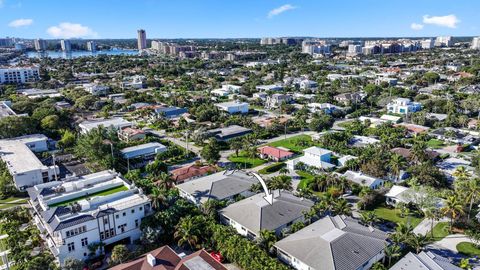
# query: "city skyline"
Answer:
x=241 y=19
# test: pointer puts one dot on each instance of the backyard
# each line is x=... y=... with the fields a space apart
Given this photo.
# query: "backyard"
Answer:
x=393 y=215
x=440 y=231
x=243 y=161
x=468 y=249
x=295 y=144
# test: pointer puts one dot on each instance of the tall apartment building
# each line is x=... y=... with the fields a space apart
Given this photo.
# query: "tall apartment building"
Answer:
x=101 y=207
x=427 y=44
x=91 y=46
x=445 y=41
x=66 y=45
x=354 y=50
x=19 y=75
x=40 y=44
x=141 y=39
x=476 y=43
x=24 y=166
x=6 y=42
x=316 y=47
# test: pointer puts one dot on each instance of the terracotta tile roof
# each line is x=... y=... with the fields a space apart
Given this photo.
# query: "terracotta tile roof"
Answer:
x=132 y=131
x=187 y=172
x=274 y=152
x=167 y=259
x=406 y=153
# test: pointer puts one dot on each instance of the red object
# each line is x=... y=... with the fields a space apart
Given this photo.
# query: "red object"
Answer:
x=217 y=256
x=274 y=152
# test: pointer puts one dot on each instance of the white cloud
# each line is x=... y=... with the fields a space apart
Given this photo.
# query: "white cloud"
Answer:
x=416 y=26
x=449 y=21
x=280 y=10
x=70 y=30
x=20 y=23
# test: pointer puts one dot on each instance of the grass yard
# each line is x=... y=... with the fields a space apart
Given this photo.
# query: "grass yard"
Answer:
x=295 y=144
x=100 y=193
x=435 y=144
x=12 y=202
x=391 y=215
x=468 y=249
x=305 y=177
x=440 y=231
x=242 y=161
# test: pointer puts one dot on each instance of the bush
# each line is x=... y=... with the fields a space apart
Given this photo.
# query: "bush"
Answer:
x=272 y=168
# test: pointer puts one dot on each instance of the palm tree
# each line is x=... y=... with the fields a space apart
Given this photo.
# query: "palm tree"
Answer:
x=368 y=218
x=471 y=190
x=267 y=239
x=396 y=164
x=391 y=252
x=284 y=170
x=165 y=181
x=432 y=214
x=453 y=208
x=281 y=182
x=403 y=231
x=187 y=233
x=417 y=241
x=318 y=183
x=341 y=207
x=461 y=173
x=236 y=145
x=158 y=198
x=418 y=153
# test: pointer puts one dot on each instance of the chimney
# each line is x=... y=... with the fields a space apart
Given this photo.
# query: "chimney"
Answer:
x=152 y=261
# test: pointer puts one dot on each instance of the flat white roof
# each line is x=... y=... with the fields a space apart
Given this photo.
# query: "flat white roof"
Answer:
x=115 y=122
x=18 y=157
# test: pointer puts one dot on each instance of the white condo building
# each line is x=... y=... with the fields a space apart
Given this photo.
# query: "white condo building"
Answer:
x=19 y=74
x=66 y=45
x=24 y=166
x=233 y=107
x=79 y=211
x=40 y=44
x=476 y=43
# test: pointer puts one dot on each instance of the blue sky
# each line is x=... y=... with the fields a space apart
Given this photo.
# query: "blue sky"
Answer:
x=237 y=18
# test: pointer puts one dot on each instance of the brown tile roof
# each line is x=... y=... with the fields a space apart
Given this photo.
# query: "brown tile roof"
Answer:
x=187 y=172
x=167 y=259
x=406 y=153
x=274 y=152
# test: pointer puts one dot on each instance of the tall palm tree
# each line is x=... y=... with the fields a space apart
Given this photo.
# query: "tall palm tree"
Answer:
x=158 y=198
x=281 y=182
x=396 y=164
x=368 y=218
x=165 y=181
x=187 y=233
x=471 y=190
x=418 y=153
x=341 y=207
x=267 y=239
x=453 y=208
x=417 y=241
x=318 y=183
x=431 y=213
x=391 y=252
x=461 y=173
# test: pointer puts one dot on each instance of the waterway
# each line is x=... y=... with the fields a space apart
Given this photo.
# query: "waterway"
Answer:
x=76 y=54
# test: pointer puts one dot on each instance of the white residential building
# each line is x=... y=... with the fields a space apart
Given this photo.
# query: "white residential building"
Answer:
x=17 y=75
x=145 y=150
x=354 y=50
x=323 y=107
x=24 y=166
x=403 y=106
x=427 y=44
x=66 y=45
x=40 y=44
x=445 y=41
x=276 y=100
x=95 y=89
x=314 y=157
x=115 y=123
x=363 y=179
x=233 y=107
x=79 y=211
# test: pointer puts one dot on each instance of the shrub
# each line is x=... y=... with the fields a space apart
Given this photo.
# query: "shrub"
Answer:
x=272 y=168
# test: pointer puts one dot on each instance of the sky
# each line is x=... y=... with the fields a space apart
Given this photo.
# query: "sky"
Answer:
x=92 y=19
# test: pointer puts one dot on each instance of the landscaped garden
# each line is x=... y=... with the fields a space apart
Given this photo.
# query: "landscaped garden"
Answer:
x=440 y=231
x=435 y=144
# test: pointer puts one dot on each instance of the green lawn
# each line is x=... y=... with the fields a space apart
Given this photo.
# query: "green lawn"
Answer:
x=305 y=177
x=100 y=193
x=435 y=144
x=9 y=202
x=295 y=144
x=242 y=161
x=440 y=231
x=391 y=215
x=468 y=249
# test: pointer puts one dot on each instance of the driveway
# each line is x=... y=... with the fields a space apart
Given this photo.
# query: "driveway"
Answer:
x=450 y=242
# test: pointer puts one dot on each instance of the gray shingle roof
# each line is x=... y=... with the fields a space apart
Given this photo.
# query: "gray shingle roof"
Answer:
x=424 y=261
x=255 y=214
x=339 y=243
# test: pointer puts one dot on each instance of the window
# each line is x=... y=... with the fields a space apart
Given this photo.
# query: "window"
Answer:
x=102 y=236
x=71 y=247
x=105 y=221
x=124 y=214
x=141 y=208
x=68 y=233
x=133 y=211
x=117 y=216
x=107 y=234
x=136 y=223
x=122 y=227
x=84 y=242
x=112 y=232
